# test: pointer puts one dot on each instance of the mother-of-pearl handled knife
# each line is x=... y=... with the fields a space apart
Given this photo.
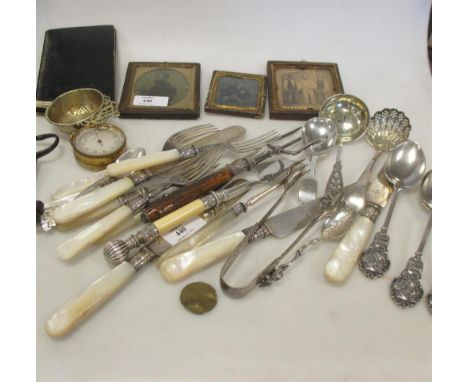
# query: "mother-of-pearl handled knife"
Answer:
x=88 y=202
x=168 y=156
x=77 y=309
x=342 y=261
x=184 y=264
x=179 y=267
x=94 y=296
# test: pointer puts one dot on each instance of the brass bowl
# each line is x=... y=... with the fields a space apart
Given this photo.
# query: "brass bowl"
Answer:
x=77 y=108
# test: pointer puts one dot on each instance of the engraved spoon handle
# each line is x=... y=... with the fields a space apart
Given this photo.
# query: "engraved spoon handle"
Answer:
x=390 y=209
x=425 y=236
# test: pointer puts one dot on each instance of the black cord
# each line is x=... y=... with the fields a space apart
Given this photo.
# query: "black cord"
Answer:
x=47 y=150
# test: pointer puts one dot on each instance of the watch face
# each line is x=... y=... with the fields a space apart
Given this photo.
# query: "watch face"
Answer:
x=349 y=114
x=99 y=141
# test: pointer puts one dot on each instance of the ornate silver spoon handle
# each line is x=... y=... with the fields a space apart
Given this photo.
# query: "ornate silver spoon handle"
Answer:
x=374 y=261
x=406 y=290
x=429 y=301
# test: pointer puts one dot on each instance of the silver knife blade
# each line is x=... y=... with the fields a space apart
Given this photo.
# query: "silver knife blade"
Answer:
x=285 y=223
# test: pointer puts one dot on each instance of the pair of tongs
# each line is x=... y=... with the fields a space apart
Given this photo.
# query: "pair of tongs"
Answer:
x=274 y=271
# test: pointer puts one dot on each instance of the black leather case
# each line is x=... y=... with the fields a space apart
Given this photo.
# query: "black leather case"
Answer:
x=72 y=58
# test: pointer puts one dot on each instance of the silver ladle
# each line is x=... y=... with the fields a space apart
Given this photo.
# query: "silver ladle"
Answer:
x=322 y=131
x=404 y=169
x=351 y=117
x=406 y=290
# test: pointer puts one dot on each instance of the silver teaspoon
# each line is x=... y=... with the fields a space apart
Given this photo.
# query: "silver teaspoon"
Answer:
x=406 y=290
x=404 y=168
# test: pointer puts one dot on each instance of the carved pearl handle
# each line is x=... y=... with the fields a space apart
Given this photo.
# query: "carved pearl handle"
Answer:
x=345 y=256
x=183 y=265
x=74 y=311
x=134 y=164
x=86 y=203
x=92 y=216
x=77 y=244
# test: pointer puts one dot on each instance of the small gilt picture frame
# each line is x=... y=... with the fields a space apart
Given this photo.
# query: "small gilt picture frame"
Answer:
x=297 y=89
x=161 y=90
x=237 y=94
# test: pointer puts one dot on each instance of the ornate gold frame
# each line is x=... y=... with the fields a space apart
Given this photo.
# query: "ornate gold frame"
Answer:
x=281 y=111
x=212 y=106
x=128 y=110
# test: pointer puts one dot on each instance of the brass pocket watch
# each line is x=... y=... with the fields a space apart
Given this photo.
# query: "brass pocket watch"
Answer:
x=96 y=146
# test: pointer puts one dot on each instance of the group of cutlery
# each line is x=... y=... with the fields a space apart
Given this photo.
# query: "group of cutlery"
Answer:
x=184 y=196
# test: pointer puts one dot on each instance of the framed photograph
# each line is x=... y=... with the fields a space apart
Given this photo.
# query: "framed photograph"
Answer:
x=237 y=93
x=161 y=90
x=296 y=90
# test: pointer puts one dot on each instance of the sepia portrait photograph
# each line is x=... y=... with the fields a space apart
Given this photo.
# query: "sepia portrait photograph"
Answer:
x=237 y=93
x=161 y=90
x=298 y=89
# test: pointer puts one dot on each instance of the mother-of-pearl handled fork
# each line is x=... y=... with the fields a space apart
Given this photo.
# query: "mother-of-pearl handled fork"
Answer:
x=90 y=235
x=86 y=203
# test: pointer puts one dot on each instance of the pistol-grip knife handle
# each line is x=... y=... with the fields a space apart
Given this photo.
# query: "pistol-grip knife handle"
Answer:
x=90 y=235
x=187 y=194
x=147 y=161
x=89 y=202
x=95 y=295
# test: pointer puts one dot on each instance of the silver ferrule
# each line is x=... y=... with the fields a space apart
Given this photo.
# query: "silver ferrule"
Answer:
x=138 y=177
x=125 y=199
x=260 y=233
x=371 y=212
x=210 y=201
x=146 y=235
x=239 y=208
x=188 y=152
x=241 y=165
x=142 y=258
x=138 y=203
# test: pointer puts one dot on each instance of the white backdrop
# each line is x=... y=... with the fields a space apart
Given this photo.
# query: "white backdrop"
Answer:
x=302 y=328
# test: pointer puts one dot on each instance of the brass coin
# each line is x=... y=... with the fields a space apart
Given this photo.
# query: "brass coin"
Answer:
x=198 y=297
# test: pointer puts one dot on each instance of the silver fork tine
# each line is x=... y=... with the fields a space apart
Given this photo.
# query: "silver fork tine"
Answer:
x=192 y=131
x=199 y=165
x=174 y=140
x=183 y=141
x=268 y=137
x=255 y=143
x=204 y=166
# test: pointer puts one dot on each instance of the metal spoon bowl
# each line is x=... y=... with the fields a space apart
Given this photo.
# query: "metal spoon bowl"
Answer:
x=349 y=114
x=406 y=165
x=404 y=168
x=336 y=225
x=426 y=190
x=322 y=131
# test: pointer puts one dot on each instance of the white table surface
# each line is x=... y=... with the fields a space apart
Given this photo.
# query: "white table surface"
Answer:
x=302 y=328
